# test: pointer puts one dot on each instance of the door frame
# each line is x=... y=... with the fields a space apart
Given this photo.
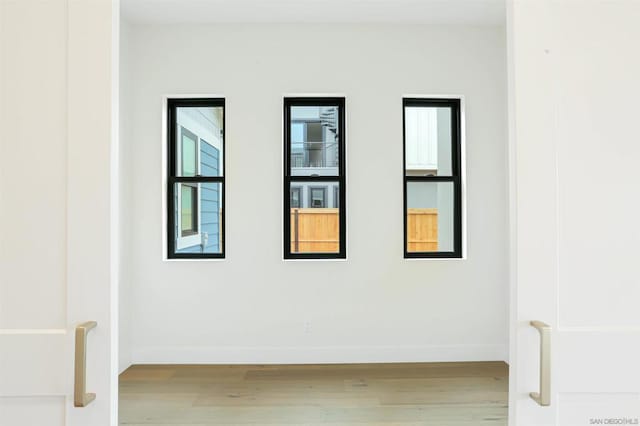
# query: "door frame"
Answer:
x=511 y=214
x=512 y=210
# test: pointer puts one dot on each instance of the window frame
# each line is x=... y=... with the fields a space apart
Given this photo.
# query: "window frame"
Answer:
x=175 y=241
x=456 y=175
x=300 y=195
x=195 y=215
x=180 y=159
x=325 y=190
x=289 y=179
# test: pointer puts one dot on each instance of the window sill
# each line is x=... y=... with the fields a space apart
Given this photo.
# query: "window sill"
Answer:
x=194 y=259
x=434 y=258
x=303 y=259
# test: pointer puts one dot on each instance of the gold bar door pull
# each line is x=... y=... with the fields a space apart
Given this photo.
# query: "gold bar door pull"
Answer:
x=544 y=397
x=80 y=396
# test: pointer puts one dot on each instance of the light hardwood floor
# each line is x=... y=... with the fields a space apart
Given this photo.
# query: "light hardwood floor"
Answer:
x=443 y=394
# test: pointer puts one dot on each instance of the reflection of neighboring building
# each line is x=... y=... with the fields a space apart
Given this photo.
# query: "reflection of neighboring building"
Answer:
x=314 y=152
x=198 y=153
x=317 y=195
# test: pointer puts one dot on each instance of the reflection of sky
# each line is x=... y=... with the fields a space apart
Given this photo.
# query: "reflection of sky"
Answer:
x=305 y=112
x=312 y=113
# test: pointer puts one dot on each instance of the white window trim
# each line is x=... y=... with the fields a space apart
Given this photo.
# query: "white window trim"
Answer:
x=282 y=166
x=163 y=112
x=463 y=177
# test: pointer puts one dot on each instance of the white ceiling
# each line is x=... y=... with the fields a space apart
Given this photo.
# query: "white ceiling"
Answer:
x=482 y=12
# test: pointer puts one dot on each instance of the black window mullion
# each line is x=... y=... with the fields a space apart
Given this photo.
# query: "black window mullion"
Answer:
x=196 y=179
x=287 y=139
x=455 y=138
x=431 y=178
x=171 y=138
x=457 y=224
x=330 y=178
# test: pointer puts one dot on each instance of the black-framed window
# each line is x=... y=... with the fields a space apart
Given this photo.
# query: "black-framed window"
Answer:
x=195 y=178
x=188 y=151
x=189 y=210
x=432 y=178
x=318 y=197
x=296 y=197
x=314 y=160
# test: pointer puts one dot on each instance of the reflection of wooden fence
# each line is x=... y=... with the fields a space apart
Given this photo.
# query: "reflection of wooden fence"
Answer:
x=315 y=231
x=318 y=230
x=422 y=230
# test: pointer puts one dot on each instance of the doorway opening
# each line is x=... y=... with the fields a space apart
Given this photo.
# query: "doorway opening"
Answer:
x=253 y=337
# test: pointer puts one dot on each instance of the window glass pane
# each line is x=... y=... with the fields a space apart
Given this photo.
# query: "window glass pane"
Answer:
x=189 y=158
x=430 y=216
x=428 y=141
x=198 y=217
x=315 y=227
x=200 y=132
x=188 y=209
x=314 y=137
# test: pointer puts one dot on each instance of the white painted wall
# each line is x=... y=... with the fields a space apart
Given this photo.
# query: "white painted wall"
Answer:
x=125 y=306
x=375 y=306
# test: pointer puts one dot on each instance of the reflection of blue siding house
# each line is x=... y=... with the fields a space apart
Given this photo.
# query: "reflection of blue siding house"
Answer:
x=210 y=196
x=198 y=205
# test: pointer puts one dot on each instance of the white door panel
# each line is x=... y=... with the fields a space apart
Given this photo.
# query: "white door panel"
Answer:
x=34 y=351
x=35 y=363
x=597 y=64
x=32 y=158
x=597 y=408
x=588 y=361
x=57 y=83
x=32 y=411
x=574 y=87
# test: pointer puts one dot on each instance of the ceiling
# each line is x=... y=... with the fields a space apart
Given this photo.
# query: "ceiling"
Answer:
x=480 y=12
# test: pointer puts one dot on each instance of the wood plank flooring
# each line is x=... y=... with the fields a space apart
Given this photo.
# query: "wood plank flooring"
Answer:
x=442 y=394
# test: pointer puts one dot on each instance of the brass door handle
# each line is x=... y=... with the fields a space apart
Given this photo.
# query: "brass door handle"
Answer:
x=80 y=396
x=544 y=397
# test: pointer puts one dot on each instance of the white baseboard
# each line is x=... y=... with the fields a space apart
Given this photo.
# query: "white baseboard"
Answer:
x=317 y=355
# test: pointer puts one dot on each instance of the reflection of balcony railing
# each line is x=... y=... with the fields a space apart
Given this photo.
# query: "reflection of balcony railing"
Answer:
x=299 y=161
x=314 y=154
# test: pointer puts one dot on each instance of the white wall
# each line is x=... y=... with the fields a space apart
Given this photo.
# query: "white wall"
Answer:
x=124 y=295
x=376 y=306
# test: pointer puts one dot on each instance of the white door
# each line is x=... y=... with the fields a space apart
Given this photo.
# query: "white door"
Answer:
x=57 y=268
x=575 y=88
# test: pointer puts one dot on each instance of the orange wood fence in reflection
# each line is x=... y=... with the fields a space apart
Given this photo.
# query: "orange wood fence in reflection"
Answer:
x=315 y=231
x=318 y=230
x=422 y=230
